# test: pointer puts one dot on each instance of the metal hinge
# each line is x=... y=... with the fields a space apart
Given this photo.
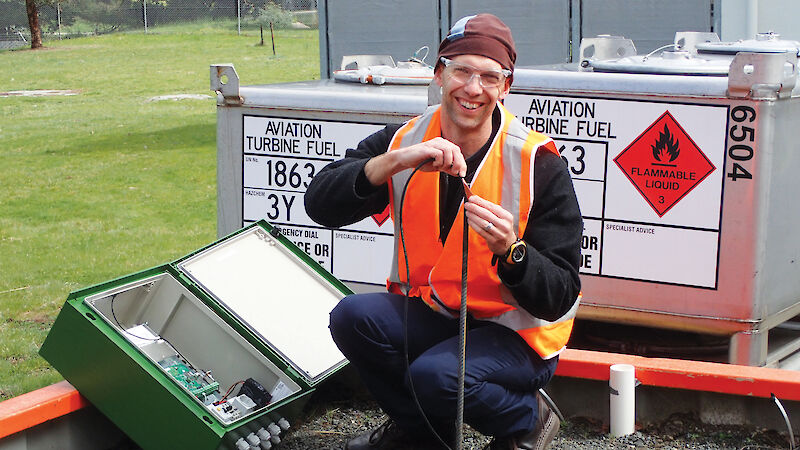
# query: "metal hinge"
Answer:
x=602 y=47
x=225 y=80
x=762 y=76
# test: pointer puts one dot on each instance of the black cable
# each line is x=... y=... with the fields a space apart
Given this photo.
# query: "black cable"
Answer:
x=405 y=308
x=462 y=321
x=162 y=338
x=462 y=332
x=228 y=392
x=462 y=313
x=113 y=297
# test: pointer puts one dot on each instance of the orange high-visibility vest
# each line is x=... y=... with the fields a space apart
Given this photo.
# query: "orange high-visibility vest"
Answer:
x=504 y=177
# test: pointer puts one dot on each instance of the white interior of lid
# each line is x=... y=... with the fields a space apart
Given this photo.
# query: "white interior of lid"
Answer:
x=277 y=295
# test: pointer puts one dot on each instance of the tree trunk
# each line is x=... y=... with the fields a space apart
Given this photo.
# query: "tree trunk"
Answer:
x=33 y=23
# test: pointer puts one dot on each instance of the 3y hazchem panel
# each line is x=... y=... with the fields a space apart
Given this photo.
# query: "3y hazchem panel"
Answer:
x=281 y=156
x=649 y=179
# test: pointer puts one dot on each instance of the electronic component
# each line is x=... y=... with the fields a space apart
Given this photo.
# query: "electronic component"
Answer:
x=243 y=403
x=200 y=384
x=225 y=411
x=232 y=409
x=256 y=392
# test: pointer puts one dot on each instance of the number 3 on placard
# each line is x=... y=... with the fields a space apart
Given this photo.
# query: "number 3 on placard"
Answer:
x=581 y=165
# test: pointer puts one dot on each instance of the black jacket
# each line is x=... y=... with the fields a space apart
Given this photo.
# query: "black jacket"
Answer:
x=546 y=286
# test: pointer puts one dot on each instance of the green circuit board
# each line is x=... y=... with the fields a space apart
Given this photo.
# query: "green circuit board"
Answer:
x=190 y=379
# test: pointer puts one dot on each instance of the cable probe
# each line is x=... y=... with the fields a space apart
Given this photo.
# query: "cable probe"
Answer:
x=462 y=325
x=462 y=319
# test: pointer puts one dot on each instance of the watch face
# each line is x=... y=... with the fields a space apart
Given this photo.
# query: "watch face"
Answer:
x=518 y=253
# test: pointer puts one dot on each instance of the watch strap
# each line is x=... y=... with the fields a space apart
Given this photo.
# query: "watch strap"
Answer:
x=507 y=254
x=510 y=251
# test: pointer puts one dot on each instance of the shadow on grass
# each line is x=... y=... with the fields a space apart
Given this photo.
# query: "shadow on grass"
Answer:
x=195 y=136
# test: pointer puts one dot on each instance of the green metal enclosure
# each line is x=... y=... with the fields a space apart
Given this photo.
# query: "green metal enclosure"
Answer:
x=162 y=352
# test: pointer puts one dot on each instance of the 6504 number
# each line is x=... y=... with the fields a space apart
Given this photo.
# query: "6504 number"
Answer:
x=743 y=138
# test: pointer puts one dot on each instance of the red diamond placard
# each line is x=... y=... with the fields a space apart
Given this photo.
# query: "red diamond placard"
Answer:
x=664 y=164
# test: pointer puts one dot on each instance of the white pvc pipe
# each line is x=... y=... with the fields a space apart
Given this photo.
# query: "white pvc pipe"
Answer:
x=622 y=381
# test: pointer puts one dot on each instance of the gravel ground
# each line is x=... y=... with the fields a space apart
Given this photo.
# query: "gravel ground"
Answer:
x=337 y=413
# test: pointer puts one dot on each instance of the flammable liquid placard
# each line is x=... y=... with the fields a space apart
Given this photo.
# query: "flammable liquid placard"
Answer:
x=648 y=178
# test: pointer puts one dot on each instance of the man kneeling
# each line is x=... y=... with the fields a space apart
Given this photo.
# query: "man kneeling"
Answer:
x=523 y=247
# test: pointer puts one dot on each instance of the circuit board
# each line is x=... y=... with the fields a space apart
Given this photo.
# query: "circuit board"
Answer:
x=193 y=381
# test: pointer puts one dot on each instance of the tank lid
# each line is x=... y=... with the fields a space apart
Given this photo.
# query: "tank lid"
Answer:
x=670 y=62
x=763 y=43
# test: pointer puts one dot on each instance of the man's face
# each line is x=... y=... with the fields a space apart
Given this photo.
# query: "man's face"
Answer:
x=468 y=106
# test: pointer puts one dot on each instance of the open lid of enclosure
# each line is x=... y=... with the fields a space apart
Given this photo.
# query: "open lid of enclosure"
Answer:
x=278 y=293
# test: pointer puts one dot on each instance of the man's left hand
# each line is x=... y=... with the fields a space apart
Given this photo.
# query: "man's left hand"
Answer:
x=492 y=222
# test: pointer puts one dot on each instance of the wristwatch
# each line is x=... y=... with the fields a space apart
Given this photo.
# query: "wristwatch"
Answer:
x=517 y=253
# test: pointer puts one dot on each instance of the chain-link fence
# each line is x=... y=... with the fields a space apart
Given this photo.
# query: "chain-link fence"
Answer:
x=63 y=19
x=12 y=38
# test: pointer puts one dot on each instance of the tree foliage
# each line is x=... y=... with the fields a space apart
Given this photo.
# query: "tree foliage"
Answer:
x=104 y=13
x=108 y=15
x=274 y=14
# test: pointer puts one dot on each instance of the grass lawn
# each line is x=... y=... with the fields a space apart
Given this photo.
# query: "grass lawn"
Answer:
x=106 y=183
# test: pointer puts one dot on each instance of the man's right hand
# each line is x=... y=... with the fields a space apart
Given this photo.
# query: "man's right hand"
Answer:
x=446 y=157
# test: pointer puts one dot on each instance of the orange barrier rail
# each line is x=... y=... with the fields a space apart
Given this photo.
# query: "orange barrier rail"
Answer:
x=31 y=409
x=60 y=399
x=683 y=374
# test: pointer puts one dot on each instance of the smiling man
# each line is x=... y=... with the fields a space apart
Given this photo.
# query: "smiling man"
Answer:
x=523 y=247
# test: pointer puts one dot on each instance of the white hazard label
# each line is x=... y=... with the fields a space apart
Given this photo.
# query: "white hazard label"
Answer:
x=280 y=158
x=648 y=177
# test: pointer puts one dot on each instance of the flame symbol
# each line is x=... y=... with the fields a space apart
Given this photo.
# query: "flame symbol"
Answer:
x=665 y=145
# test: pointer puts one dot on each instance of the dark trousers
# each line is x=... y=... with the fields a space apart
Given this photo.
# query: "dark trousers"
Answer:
x=502 y=372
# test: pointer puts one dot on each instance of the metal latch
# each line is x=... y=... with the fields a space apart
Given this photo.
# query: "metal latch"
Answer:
x=762 y=76
x=604 y=47
x=687 y=40
x=225 y=80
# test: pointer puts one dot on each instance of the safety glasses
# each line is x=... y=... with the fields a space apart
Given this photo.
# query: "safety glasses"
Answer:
x=463 y=74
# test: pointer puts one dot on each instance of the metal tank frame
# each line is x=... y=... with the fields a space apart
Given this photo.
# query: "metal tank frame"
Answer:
x=757 y=286
x=758 y=279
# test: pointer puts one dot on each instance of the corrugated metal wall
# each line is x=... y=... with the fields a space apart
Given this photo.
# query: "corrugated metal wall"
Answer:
x=650 y=23
x=385 y=27
x=541 y=28
x=546 y=31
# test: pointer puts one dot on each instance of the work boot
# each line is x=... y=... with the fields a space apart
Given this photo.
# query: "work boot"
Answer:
x=388 y=436
x=543 y=433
